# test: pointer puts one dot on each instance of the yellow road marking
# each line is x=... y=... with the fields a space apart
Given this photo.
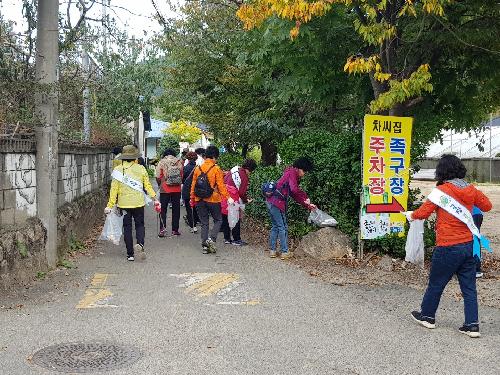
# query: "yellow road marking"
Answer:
x=95 y=293
x=212 y=284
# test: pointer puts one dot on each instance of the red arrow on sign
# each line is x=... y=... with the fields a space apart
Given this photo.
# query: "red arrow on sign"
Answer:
x=386 y=208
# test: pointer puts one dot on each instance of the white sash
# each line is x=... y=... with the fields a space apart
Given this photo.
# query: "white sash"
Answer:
x=235 y=174
x=131 y=183
x=455 y=208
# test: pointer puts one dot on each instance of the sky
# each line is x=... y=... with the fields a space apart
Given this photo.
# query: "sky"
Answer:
x=135 y=18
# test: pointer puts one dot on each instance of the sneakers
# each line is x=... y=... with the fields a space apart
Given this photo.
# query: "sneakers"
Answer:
x=204 y=250
x=228 y=242
x=287 y=255
x=162 y=233
x=211 y=246
x=130 y=259
x=239 y=243
x=138 y=248
x=423 y=320
x=479 y=275
x=471 y=330
x=194 y=230
x=272 y=254
x=176 y=233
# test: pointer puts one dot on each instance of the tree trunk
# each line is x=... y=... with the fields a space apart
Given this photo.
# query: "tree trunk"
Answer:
x=244 y=151
x=269 y=153
x=46 y=99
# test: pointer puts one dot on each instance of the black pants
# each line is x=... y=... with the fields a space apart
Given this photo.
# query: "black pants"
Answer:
x=191 y=214
x=478 y=220
x=205 y=210
x=175 y=199
x=236 y=231
x=138 y=215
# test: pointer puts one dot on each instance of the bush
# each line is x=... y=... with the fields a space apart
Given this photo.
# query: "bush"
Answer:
x=228 y=160
x=335 y=184
x=168 y=141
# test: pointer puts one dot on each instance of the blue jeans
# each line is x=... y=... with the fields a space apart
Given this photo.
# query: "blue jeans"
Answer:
x=447 y=261
x=279 y=228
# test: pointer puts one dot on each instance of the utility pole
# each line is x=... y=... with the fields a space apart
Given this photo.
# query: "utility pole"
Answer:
x=86 y=96
x=491 y=155
x=47 y=62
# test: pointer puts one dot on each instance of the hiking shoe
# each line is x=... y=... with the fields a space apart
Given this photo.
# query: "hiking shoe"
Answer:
x=285 y=256
x=471 y=330
x=272 y=254
x=162 y=233
x=239 y=243
x=130 y=259
x=211 y=246
x=228 y=242
x=176 y=233
x=423 y=320
x=479 y=275
x=204 y=250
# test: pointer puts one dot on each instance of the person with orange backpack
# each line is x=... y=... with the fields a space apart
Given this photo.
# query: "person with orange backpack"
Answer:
x=207 y=191
x=169 y=172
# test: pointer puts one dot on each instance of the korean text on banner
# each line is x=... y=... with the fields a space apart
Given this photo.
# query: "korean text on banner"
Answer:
x=386 y=164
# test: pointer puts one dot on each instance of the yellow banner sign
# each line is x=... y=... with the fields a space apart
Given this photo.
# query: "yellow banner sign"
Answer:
x=386 y=169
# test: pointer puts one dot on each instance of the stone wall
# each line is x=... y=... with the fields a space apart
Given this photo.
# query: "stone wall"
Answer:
x=83 y=186
x=81 y=170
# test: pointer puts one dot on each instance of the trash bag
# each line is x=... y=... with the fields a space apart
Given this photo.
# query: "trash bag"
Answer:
x=321 y=219
x=414 y=247
x=113 y=228
x=233 y=214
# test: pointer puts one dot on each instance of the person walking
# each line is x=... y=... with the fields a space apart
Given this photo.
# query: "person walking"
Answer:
x=187 y=180
x=452 y=200
x=207 y=190
x=237 y=182
x=200 y=151
x=116 y=152
x=277 y=202
x=129 y=180
x=169 y=173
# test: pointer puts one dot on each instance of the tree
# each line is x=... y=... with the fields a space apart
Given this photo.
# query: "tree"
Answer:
x=184 y=131
x=390 y=29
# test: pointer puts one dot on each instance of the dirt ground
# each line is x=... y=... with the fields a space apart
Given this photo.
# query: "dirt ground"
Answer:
x=491 y=221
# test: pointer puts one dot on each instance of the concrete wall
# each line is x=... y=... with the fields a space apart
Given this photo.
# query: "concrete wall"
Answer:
x=478 y=169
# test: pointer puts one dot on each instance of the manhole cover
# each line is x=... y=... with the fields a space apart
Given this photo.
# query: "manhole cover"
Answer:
x=81 y=357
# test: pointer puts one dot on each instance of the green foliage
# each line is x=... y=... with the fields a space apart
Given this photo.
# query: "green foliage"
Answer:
x=335 y=184
x=40 y=275
x=228 y=160
x=22 y=248
x=168 y=141
x=66 y=264
x=151 y=172
x=75 y=245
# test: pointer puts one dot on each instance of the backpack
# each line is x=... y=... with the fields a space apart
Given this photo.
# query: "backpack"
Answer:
x=270 y=189
x=173 y=174
x=202 y=187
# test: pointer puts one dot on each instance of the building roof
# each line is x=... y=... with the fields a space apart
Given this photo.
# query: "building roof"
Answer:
x=466 y=144
x=157 y=127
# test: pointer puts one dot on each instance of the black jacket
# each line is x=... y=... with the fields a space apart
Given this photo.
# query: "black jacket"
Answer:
x=188 y=179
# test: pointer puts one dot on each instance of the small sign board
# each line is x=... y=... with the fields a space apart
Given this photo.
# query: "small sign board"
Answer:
x=386 y=171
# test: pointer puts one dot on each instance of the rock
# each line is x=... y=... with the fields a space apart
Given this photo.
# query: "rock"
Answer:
x=385 y=263
x=326 y=244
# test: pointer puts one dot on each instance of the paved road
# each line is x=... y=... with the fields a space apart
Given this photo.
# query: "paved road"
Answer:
x=238 y=312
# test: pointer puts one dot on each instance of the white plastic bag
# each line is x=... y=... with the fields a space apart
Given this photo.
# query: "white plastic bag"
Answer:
x=414 y=247
x=233 y=214
x=113 y=228
x=321 y=219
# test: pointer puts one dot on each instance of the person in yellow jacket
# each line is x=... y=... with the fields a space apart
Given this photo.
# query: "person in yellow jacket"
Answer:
x=206 y=193
x=129 y=180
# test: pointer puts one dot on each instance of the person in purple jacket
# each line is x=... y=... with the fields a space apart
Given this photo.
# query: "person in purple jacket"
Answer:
x=287 y=185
